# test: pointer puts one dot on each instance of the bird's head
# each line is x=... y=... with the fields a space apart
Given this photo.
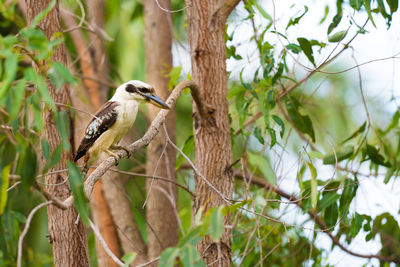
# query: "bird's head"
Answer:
x=138 y=91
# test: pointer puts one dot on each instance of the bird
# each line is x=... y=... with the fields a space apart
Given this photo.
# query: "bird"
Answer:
x=113 y=120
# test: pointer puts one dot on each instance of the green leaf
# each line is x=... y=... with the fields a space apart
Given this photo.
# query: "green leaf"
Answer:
x=187 y=149
x=337 y=18
x=301 y=122
x=393 y=5
x=80 y=201
x=337 y=37
x=174 y=75
x=389 y=174
x=45 y=149
x=294 y=48
x=257 y=133
x=375 y=157
x=37 y=40
x=314 y=184
x=62 y=123
x=349 y=191
x=367 y=5
x=16 y=97
x=8 y=153
x=280 y=122
x=192 y=238
x=191 y=257
x=41 y=86
x=264 y=166
x=27 y=166
x=59 y=75
x=262 y=11
x=235 y=91
x=331 y=215
x=297 y=19
x=356 y=4
x=307 y=49
x=342 y=154
x=328 y=199
x=167 y=258
x=128 y=258
x=326 y=12
x=356 y=224
x=272 y=134
x=356 y=133
x=216 y=223
x=10 y=69
x=278 y=73
x=4 y=182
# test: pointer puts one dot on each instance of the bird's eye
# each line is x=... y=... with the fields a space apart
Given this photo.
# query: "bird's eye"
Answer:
x=144 y=90
x=130 y=88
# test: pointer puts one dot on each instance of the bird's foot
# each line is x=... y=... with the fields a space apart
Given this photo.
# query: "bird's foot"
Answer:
x=112 y=154
x=116 y=147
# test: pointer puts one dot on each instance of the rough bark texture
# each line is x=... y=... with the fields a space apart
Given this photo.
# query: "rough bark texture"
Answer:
x=206 y=28
x=161 y=205
x=68 y=239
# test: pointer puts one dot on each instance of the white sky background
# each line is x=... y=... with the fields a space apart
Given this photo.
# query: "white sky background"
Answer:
x=381 y=81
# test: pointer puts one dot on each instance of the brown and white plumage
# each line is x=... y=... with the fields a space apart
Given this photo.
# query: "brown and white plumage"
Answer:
x=113 y=121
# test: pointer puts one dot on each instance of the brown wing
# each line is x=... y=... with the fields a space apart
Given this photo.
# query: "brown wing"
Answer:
x=103 y=120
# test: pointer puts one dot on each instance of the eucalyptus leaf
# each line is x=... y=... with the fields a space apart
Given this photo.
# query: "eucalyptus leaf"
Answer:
x=76 y=184
x=307 y=49
x=4 y=182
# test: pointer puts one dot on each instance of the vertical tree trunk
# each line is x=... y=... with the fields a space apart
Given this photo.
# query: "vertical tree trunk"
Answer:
x=68 y=239
x=161 y=205
x=206 y=30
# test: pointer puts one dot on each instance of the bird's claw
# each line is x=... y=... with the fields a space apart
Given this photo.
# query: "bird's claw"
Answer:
x=122 y=148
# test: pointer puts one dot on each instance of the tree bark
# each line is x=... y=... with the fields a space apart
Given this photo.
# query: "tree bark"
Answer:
x=206 y=31
x=162 y=196
x=68 y=239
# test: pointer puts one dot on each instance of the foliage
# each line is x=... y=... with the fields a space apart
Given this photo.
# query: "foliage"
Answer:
x=334 y=151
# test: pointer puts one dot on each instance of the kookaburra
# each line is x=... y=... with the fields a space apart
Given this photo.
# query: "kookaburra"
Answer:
x=113 y=121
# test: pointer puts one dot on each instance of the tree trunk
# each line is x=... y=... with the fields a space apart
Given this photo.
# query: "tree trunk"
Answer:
x=206 y=31
x=68 y=239
x=162 y=196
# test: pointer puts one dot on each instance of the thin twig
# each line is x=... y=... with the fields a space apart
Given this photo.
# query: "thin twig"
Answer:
x=26 y=228
x=105 y=246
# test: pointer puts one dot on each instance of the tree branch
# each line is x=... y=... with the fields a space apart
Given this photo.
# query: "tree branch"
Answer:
x=314 y=216
x=26 y=228
x=226 y=9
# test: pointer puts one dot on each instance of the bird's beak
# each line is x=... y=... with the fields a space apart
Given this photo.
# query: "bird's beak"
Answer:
x=156 y=101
